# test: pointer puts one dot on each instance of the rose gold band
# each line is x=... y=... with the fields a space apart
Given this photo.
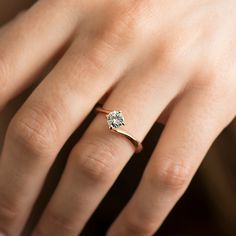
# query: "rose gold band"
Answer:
x=138 y=145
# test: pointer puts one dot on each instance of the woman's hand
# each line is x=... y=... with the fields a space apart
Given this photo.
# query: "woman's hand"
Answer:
x=172 y=60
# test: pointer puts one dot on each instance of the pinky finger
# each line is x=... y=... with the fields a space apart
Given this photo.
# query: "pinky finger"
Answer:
x=192 y=127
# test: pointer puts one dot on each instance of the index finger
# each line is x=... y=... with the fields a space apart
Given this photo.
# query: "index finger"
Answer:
x=29 y=43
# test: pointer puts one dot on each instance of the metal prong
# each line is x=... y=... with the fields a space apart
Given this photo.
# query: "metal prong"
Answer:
x=123 y=124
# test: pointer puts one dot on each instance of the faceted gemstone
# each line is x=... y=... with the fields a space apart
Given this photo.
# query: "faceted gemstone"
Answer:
x=115 y=119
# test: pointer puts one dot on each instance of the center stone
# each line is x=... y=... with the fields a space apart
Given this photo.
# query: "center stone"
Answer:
x=115 y=119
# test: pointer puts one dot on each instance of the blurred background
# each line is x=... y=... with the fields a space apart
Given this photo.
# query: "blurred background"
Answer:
x=207 y=208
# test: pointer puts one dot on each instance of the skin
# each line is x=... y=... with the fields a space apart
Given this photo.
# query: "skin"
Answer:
x=172 y=61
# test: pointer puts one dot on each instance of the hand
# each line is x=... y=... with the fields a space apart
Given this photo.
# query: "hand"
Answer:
x=172 y=60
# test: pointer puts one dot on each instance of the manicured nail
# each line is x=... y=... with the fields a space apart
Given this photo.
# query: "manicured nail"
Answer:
x=2 y=234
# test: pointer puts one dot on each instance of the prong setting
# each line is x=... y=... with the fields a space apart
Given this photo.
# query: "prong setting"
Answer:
x=115 y=119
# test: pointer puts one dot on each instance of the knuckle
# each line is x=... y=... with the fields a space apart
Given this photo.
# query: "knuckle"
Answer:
x=119 y=28
x=139 y=227
x=128 y=23
x=35 y=131
x=8 y=212
x=206 y=80
x=97 y=159
x=120 y=31
x=171 y=174
x=212 y=85
x=102 y=48
x=56 y=221
x=95 y=53
x=172 y=53
x=97 y=56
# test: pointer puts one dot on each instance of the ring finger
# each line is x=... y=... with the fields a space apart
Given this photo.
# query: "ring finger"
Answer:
x=100 y=155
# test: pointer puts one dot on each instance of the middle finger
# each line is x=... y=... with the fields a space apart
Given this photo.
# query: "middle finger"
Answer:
x=47 y=119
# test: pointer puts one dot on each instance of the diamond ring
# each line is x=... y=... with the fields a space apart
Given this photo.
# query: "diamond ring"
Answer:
x=115 y=119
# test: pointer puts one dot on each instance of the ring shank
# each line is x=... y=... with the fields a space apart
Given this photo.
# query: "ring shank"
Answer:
x=102 y=110
x=138 y=145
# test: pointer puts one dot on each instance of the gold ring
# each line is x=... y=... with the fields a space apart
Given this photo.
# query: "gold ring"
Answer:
x=115 y=119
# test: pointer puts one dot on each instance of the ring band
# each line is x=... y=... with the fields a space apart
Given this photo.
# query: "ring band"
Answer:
x=115 y=119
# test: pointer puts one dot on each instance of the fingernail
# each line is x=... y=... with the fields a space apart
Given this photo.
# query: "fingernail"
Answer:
x=2 y=234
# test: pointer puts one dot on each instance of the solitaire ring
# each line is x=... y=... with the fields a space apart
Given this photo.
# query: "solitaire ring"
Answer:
x=115 y=119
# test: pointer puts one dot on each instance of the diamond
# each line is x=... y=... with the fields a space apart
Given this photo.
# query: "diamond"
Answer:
x=115 y=119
